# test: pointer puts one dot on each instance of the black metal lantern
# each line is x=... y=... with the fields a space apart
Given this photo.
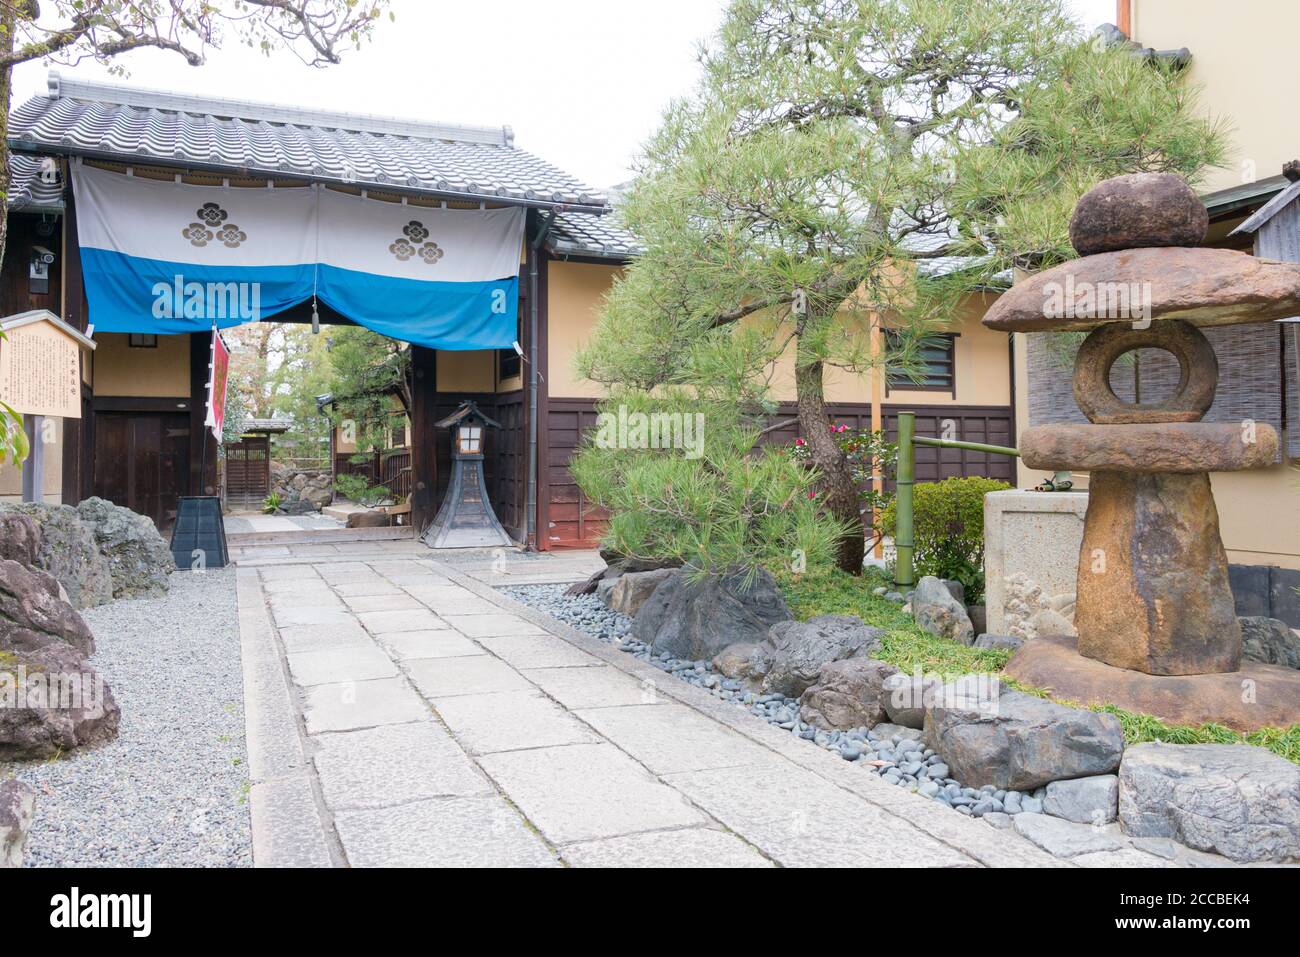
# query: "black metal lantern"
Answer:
x=466 y=519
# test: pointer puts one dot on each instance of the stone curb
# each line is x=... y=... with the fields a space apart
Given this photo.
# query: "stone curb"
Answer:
x=976 y=839
x=287 y=827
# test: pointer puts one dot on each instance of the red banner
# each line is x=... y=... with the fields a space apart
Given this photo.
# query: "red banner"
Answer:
x=218 y=374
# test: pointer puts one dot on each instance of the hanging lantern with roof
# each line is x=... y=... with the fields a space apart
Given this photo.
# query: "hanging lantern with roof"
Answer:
x=466 y=519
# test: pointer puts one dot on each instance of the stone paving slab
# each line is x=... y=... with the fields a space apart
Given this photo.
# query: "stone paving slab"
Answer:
x=383 y=622
x=536 y=651
x=301 y=638
x=670 y=738
x=374 y=603
x=361 y=704
x=357 y=589
x=312 y=596
x=587 y=791
x=349 y=663
x=442 y=677
x=510 y=721
x=448 y=832
x=412 y=645
x=491 y=626
x=310 y=615
x=802 y=820
x=690 y=847
x=596 y=687
x=395 y=764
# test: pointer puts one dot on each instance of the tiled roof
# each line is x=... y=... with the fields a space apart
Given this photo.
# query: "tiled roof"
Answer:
x=35 y=184
x=582 y=234
x=107 y=121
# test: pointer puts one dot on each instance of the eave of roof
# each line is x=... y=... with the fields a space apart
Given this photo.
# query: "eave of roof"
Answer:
x=238 y=138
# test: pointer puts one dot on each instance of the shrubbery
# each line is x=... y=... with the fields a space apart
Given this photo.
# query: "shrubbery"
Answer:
x=948 y=529
x=720 y=506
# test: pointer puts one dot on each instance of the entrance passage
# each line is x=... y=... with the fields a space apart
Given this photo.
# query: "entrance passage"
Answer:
x=141 y=461
x=248 y=472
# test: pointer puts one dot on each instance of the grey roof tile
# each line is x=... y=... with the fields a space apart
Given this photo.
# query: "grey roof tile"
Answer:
x=35 y=183
x=127 y=124
x=582 y=234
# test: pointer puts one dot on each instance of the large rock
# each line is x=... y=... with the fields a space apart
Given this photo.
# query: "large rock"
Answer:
x=631 y=590
x=1139 y=209
x=1014 y=740
x=848 y=694
x=1000 y=642
x=1270 y=641
x=138 y=558
x=698 y=620
x=1233 y=799
x=937 y=611
x=907 y=696
x=32 y=615
x=1090 y=800
x=797 y=650
x=17 y=807
x=60 y=703
x=69 y=552
x=318 y=498
x=746 y=661
x=1206 y=287
x=1063 y=838
x=20 y=538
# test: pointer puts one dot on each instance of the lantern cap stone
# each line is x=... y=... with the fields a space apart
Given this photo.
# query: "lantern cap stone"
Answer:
x=1206 y=287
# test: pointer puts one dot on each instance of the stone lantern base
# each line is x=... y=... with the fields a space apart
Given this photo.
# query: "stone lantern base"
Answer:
x=1256 y=696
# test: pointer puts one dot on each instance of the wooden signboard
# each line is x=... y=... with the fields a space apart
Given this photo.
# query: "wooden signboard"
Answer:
x=40 y=368
x=40 y=375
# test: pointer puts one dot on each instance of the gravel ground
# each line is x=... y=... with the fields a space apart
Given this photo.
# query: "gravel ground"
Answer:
x=170 y=791
x=894 y=753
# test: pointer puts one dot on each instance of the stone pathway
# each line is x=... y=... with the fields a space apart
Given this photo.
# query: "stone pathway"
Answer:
x=402 y=713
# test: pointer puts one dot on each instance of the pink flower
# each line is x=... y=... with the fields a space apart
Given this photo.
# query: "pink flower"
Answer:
x=812 y=494
x=800 y=442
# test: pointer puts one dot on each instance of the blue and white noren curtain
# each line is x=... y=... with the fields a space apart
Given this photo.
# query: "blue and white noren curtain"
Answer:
x=163 y=257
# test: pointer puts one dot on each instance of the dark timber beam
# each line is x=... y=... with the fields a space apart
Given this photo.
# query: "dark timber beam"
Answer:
x=424 y=450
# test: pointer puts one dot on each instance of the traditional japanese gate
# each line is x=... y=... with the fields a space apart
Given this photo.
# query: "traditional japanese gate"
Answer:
x=248 y=471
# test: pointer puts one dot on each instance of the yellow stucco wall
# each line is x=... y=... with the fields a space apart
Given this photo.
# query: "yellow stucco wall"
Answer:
x=1244 y=58
x=575 y=295
x=577 y=292
x=473 y=371
x=123 y=371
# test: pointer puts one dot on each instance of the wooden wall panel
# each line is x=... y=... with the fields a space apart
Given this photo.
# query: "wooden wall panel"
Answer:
x=574 y=523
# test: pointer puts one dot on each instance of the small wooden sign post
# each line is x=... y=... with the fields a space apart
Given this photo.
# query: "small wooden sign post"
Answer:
x=40 y=375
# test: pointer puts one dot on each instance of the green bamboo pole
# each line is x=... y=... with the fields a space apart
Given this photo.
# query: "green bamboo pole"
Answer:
x=904 y=573
x=970 y=446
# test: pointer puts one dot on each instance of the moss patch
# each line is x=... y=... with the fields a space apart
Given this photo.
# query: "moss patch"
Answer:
x=908 y=648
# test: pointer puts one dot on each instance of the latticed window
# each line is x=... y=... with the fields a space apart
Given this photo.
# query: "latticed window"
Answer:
x=935 y=367
x=470 y=439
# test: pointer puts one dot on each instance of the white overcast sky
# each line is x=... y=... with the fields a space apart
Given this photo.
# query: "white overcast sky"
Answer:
x=582 y=82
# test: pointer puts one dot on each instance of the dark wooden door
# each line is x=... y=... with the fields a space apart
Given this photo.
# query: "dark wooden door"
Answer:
x=140 y=461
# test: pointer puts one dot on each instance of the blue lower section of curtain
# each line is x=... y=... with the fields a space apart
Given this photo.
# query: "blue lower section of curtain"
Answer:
x=131 y=294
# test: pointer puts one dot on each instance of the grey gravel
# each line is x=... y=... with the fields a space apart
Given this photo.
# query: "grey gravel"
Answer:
x=171 y=790
x=899 y=759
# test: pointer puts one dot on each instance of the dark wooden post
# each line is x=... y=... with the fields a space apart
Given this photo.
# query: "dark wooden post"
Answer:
x=200 y=355
x=424 y=453
x=77 y=467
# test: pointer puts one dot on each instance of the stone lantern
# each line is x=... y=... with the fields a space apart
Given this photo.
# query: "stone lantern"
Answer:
x=466 y=519
x=1157 y=626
